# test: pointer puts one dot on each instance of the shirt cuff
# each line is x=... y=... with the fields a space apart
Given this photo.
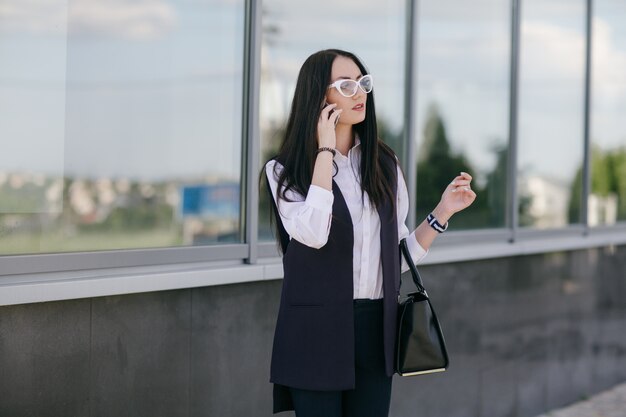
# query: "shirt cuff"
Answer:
x=415 y=249
x=320 y=198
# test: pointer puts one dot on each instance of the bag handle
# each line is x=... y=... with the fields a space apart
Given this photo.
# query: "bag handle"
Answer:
x=417 y=279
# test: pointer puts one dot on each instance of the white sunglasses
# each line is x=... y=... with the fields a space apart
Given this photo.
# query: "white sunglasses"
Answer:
x=348 y=88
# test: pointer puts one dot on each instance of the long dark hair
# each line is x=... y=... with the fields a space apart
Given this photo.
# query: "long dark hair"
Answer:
x=297 y=152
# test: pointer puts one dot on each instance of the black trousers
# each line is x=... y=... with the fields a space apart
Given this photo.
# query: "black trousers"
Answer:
x=372 y=393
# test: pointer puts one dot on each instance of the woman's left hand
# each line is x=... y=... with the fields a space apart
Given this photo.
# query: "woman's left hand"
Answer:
x=458 y=195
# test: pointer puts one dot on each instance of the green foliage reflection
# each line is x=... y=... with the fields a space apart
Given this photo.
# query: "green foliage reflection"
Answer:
x=608 y=187
x=438 y=164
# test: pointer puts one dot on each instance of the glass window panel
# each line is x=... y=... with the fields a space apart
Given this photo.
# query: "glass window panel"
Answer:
x=123 y=121
x=294 y=30
x=551 y=111
x=463 y=101
x=607 y=201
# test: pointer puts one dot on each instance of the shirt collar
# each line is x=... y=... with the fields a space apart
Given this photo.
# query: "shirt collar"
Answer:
x=357 y=143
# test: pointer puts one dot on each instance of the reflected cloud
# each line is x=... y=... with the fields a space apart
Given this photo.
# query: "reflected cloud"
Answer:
x=559 y=50
x=464 y=11
x=33 y=16
x=609 y=60
x=340 y=10
x=143 y=20
x=137 y=20
x=292 y=31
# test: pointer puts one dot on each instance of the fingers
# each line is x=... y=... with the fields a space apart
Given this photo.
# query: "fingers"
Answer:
x=325 y=116
x=328 y=108
x=464 y=188
x=332 y=118
x=462 y=182
x=460 y=189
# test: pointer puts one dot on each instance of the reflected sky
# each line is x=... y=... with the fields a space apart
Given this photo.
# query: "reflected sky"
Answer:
x=551 y=85
x=147 y=90
x=609 y=74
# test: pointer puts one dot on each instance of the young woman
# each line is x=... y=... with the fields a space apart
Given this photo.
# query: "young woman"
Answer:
x=340 y=203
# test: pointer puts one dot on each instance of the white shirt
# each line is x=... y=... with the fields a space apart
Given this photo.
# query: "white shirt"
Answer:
x=308 y=220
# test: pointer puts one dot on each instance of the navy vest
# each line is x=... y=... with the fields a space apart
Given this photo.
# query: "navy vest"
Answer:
x=314 y=337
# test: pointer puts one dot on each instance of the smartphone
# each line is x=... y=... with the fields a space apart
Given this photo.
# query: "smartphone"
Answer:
x=331 y=112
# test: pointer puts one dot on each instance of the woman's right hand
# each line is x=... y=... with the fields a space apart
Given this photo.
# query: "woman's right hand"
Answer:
x=326 y=127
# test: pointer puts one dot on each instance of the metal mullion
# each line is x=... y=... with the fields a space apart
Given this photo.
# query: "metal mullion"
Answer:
x=586 y=186
x=410 y=106
x=512 y=218
x=251 y=133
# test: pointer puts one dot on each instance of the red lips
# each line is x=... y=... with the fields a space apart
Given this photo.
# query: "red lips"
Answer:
x=358 y=107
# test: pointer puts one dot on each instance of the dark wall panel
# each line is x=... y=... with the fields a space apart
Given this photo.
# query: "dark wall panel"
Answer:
x=233 y=328
x=140 y=355
x=44 y=359
x=526 y=334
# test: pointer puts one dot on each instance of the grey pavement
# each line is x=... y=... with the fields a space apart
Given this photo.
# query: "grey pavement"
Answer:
x=610 y=403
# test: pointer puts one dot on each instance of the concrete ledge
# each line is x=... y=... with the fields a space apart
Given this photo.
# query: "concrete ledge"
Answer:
x=41 y=287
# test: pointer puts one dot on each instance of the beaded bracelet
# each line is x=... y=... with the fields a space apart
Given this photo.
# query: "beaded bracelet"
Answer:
x=432 y=221
x=325 y=148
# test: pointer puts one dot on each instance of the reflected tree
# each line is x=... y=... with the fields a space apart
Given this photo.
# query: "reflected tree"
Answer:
x=493 y=205
x=617 y=184
x=391 y=137
x=437 y=165
x=608 y=176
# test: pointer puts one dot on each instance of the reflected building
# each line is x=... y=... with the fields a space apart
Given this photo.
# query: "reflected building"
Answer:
x=602 y=209
x=548 y=199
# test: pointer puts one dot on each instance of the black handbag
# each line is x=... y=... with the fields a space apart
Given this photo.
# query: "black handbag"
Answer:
x=421 y=348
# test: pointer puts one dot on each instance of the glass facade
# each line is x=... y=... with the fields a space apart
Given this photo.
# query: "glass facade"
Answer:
x=462 y=105
x=607 y=198
x=551 y=113
x=122 y=123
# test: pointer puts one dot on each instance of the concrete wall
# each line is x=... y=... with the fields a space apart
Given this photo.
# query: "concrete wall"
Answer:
x=526 y=334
